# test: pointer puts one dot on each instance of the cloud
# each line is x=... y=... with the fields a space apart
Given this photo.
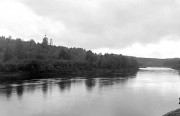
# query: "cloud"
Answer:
x=18 y=20
x=111 y=23
x=167 y=48
x=92 y=24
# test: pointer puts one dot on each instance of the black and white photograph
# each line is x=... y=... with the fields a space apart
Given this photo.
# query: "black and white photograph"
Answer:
x=89 y=57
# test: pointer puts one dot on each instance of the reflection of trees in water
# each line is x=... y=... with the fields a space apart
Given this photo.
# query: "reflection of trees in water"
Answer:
x=77 y=81
x=179 y=72
x=7 y=91
x=31 y=88
x=45 y=88
x=64 y=85
x=90 y=83
x=20 y=91
x=105 y=82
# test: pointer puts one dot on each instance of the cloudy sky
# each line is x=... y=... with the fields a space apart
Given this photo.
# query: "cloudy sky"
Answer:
x=144 y=28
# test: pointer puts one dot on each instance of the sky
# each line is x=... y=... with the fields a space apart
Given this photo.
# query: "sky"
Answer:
x=142 y=28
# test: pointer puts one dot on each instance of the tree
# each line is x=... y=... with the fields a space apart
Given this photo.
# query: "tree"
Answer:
x=7 y=54
x=78 y=58
x=64 y=55
x=19 y=49
x=32 y=42
x=90 y=57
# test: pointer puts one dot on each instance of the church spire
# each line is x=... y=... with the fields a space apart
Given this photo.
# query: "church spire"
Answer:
x=45 y=41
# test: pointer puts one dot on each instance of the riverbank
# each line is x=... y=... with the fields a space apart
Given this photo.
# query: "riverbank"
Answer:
x=35 y=69
x=25 y=75
x=173 y=113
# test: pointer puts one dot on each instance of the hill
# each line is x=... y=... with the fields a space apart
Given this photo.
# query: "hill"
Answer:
x=17 y=55
x=155 y=62
x=151 y=62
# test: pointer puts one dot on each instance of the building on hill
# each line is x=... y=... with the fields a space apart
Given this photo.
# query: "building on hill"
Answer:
x=45 y=41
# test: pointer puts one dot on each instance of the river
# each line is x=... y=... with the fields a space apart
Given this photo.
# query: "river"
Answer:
x=151 y=92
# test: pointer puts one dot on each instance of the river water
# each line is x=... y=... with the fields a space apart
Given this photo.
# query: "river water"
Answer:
x=151 y=92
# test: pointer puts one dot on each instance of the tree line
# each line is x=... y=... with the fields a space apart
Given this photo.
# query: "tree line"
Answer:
x=173 y=63
x=19 y=55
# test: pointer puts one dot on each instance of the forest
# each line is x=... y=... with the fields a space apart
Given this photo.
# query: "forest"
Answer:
x=173 y=63
x=17 y=55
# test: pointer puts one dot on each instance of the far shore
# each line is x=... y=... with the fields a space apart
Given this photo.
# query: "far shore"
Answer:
x=22 y=75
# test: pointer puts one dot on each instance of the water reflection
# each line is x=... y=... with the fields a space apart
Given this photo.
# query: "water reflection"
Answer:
x=90 y=84
x=104 y=82
x=7 y=91
x=20 y=91
x=31 y=88
x=158 y=89
x=45 y=88
x=45 y=85
x=64 y=85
